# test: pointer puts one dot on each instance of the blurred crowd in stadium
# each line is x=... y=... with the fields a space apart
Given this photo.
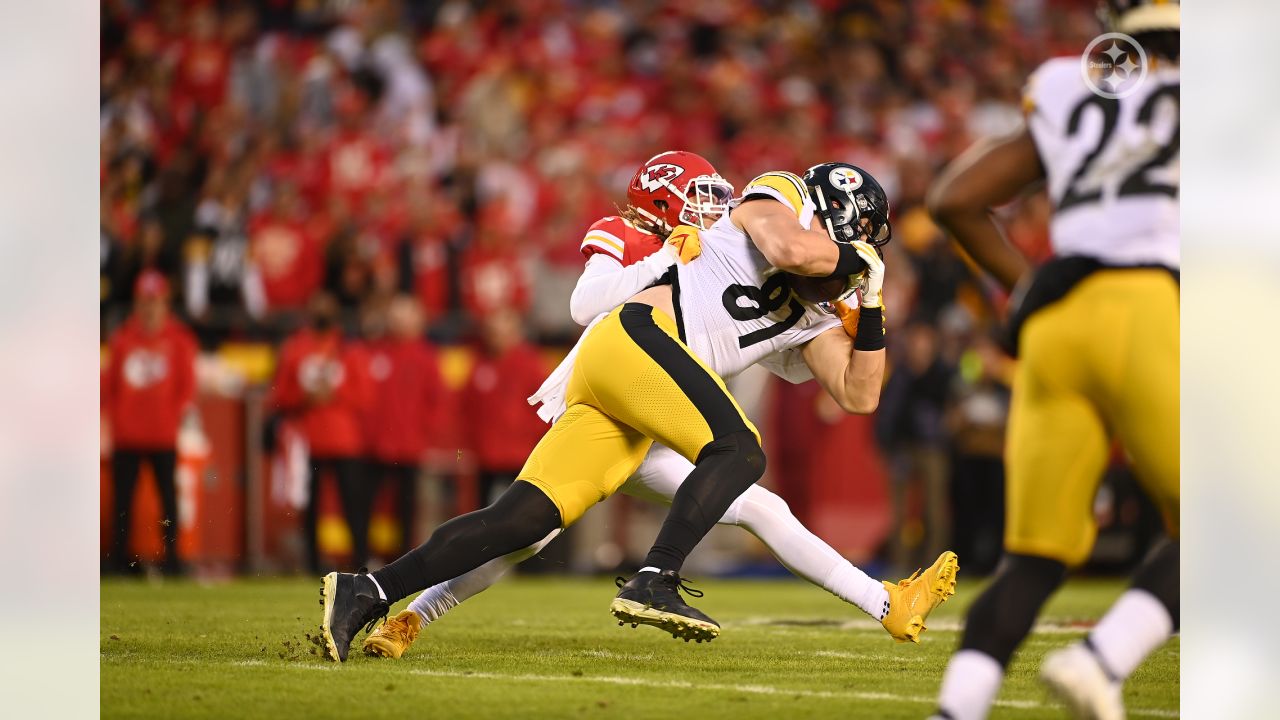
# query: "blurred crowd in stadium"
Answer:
x=343 y=179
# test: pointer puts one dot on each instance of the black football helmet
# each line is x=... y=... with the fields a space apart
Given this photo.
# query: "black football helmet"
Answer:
x=1141 y=16
x=846 y=195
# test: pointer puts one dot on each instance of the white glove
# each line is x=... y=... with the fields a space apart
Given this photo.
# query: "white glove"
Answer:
x=872 y=286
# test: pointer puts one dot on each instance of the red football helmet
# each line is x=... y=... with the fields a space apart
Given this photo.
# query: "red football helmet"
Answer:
x=678 y=187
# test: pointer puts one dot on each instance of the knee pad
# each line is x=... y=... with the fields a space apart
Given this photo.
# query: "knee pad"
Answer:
x=741 y=451
x=1003 y=615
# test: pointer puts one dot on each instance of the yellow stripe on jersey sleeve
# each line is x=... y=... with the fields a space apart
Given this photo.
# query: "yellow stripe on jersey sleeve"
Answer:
x=785 y=184
x=602 y=238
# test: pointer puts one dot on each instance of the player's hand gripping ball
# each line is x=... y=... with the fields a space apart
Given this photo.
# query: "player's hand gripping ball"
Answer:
x=841 y=289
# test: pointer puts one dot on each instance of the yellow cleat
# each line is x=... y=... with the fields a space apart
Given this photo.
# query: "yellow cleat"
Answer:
x=394 y=636
x=911 y=600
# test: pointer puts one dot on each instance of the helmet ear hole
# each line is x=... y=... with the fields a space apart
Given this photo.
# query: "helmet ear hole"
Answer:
x=661 y=205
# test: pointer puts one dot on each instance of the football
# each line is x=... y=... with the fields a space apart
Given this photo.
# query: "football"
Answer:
x=816 y=289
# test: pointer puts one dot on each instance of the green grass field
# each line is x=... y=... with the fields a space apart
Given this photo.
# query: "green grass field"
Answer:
x=548 y=648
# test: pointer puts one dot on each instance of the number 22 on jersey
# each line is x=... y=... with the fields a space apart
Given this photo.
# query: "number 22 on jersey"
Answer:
x=1141 y=165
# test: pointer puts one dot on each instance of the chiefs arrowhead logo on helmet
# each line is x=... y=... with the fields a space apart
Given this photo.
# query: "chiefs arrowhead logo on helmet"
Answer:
x=652 y=177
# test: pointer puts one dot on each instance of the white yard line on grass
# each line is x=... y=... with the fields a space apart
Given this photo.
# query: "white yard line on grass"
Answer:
x=1043 y=628
x=874 y=657
x=686 y=685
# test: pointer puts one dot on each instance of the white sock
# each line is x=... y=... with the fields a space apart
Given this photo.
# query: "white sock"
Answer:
x=970 y=685
x=852 y=585
x=381 y=594
x=767 y=516
x=432 y=603
x=1135 y=626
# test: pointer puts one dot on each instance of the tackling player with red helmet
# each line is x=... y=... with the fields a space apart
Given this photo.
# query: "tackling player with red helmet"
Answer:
x=672 y=189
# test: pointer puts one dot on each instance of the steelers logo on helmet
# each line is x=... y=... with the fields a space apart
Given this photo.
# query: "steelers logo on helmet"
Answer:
x=850 y=202
x=846 y=179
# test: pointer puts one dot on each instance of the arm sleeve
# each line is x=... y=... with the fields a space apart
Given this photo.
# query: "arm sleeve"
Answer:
x=605 y=284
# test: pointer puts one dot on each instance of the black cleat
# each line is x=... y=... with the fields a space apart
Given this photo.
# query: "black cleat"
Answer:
x=652 y=598
x=350 y=601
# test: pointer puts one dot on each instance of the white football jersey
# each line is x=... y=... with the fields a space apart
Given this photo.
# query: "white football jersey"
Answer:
x=1112 y=164
x=734 y=308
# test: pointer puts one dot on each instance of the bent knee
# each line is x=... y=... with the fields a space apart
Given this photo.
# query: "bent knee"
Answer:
x=742 y=449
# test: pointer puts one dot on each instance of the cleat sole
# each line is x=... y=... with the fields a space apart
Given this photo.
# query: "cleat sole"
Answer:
x=328 y=589
x=944 y=585
x=680 y=627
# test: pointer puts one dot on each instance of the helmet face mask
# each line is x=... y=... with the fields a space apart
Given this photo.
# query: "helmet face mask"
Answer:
x=850 y=203
x=706 y=200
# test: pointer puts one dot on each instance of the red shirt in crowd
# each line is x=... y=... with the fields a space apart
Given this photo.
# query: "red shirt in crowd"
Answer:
x=411 y=408
x=356 y=163
x=150 y=381
x=202 y=72
x=288 y=257
x=311 y=363
x=501 y=429
x=492 y=279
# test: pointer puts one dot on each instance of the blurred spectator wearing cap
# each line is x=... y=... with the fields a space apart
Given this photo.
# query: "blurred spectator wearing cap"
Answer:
x=149 y=385
x=410 y=406
x=322 y=385
x=500 y=429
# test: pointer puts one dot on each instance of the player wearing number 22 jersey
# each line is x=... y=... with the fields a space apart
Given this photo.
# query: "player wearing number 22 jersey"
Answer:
x=1096 y=332
x=635 y=380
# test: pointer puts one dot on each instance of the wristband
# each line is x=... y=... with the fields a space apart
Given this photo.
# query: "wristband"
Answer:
x=870 y=335
x=848 y=263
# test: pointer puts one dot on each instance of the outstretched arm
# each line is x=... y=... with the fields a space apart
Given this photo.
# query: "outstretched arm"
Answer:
x=605 y=283
x=987 y=175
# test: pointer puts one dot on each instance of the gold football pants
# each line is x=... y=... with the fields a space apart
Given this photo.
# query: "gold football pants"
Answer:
x=633 y=382
x=1102 y=362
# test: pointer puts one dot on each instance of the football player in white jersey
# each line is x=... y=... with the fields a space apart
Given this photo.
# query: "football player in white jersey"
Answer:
x=634 y=382
x=625 y=254
x=1097 y=337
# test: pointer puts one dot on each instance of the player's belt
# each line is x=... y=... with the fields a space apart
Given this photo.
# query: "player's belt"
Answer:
x=1051 y=282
